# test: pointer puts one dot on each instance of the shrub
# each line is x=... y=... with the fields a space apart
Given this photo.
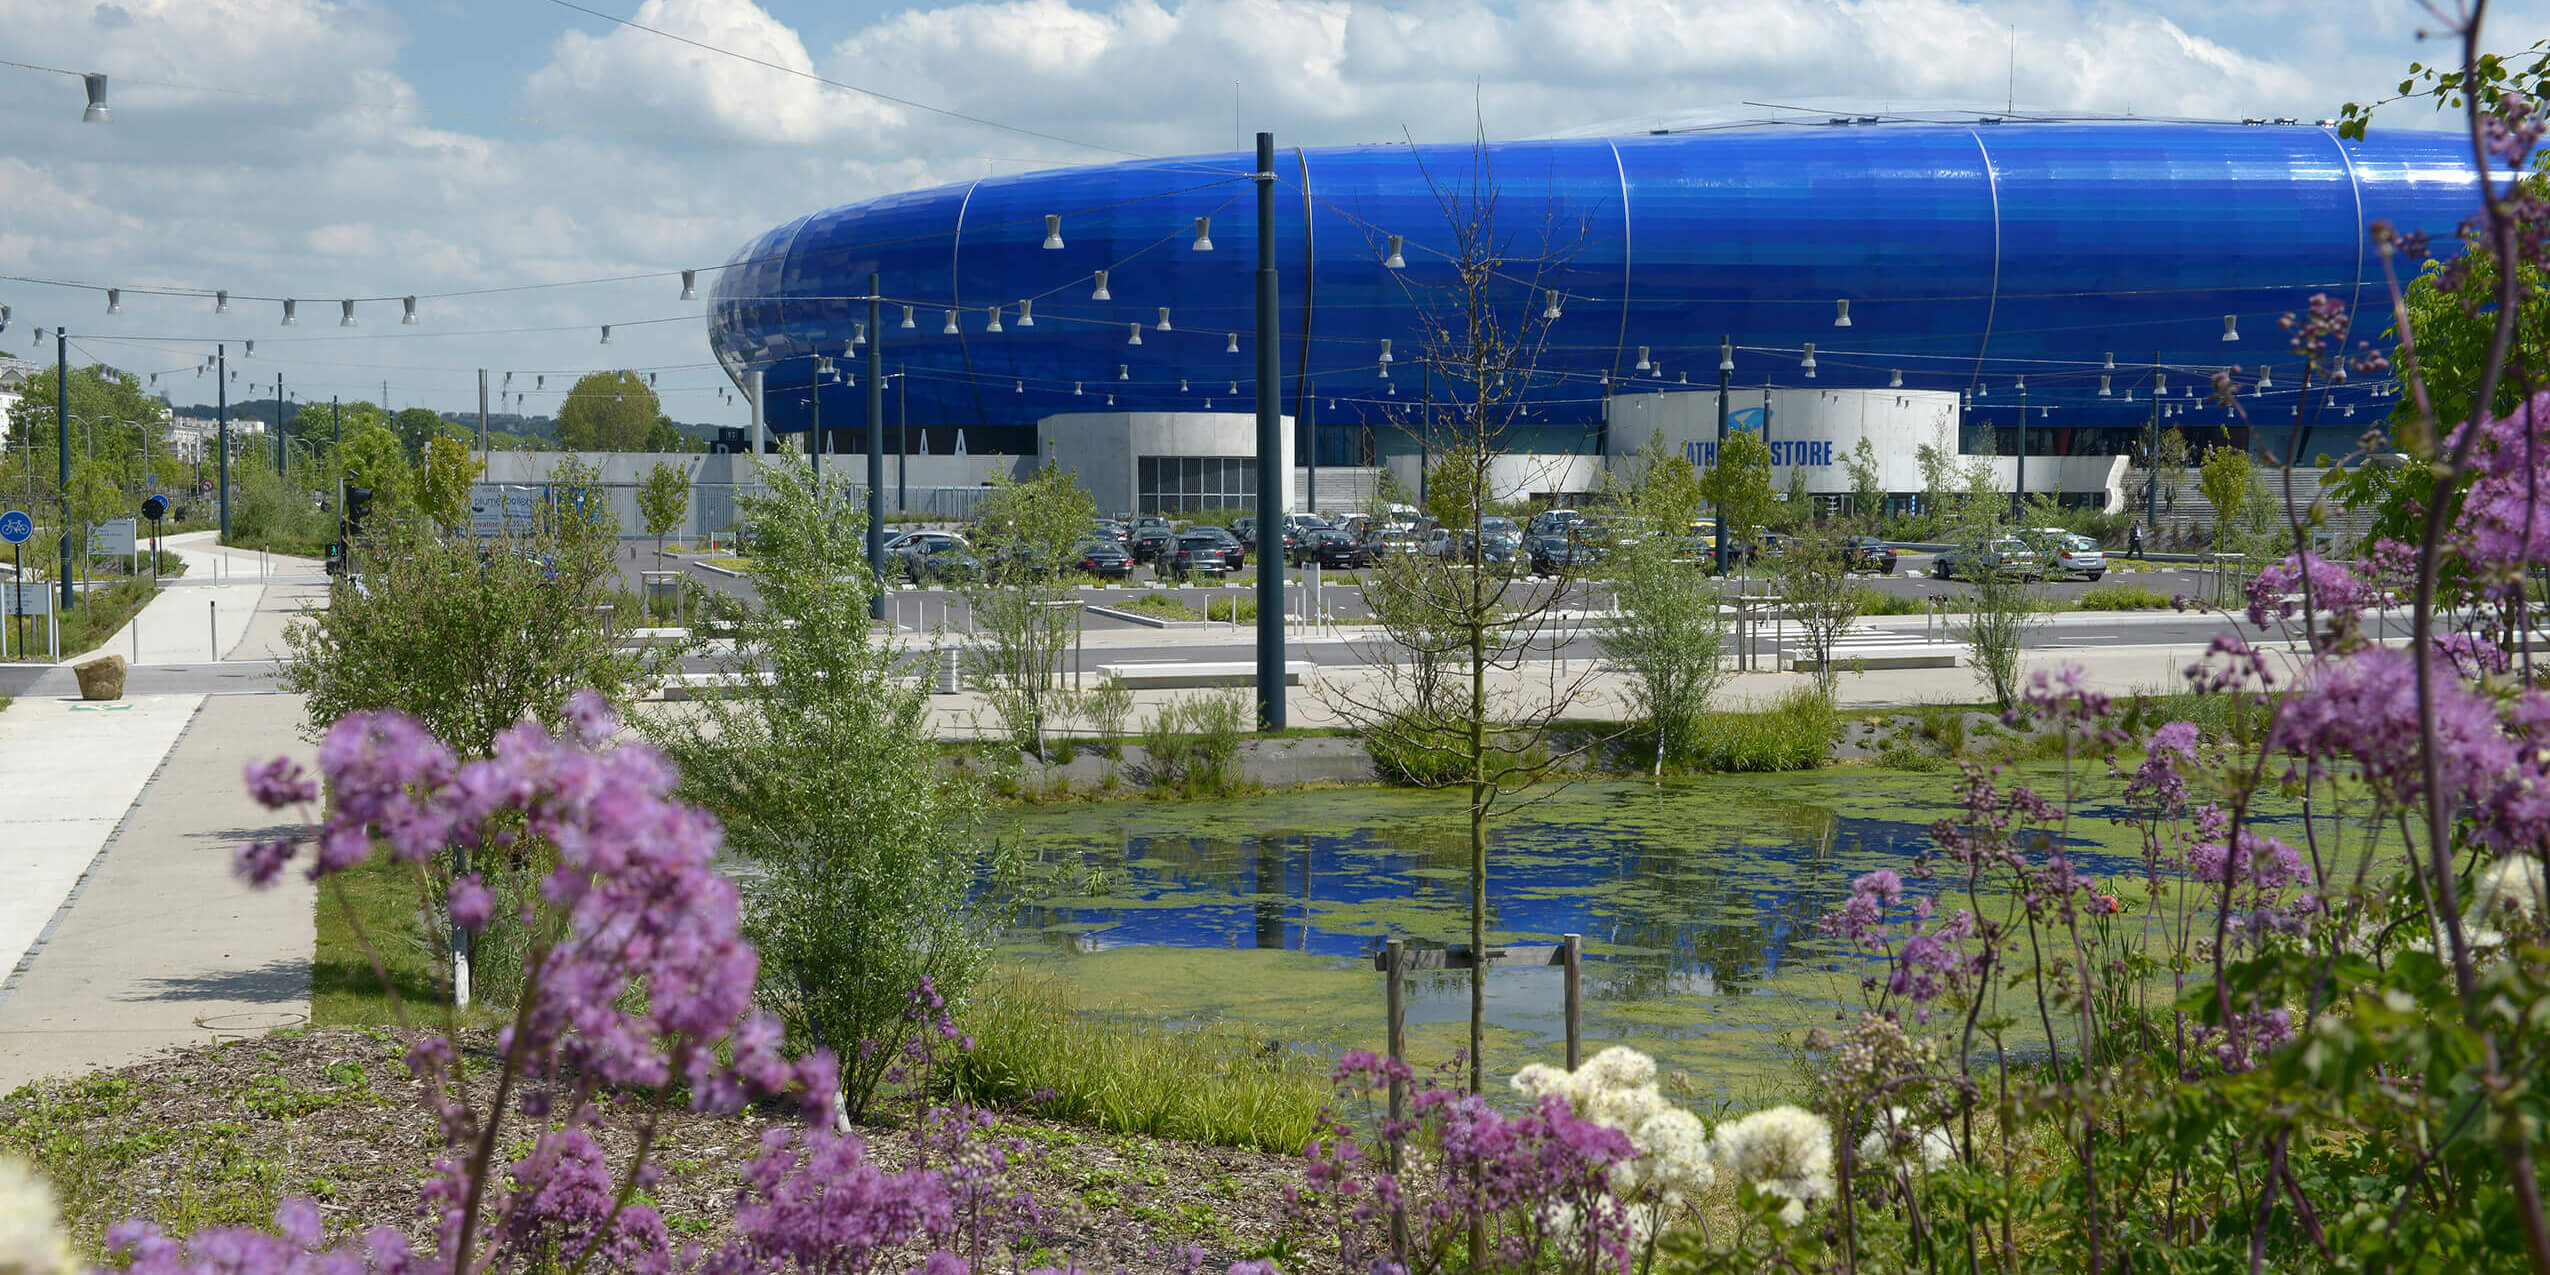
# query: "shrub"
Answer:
x=1221 y=608
x=1795 y=733
x=1193 y=745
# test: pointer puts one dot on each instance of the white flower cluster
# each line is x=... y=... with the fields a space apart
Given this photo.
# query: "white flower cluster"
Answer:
x=1895 y=1137
x=1785 y=1151
x=31 y=1238
x=1617 y=1089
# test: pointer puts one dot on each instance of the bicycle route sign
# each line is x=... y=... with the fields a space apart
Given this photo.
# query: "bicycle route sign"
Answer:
x=16 y=527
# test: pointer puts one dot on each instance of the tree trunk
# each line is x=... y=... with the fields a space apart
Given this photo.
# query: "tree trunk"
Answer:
x=1478 y=854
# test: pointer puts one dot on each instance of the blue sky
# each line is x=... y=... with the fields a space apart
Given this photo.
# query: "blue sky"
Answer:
x=528 y=144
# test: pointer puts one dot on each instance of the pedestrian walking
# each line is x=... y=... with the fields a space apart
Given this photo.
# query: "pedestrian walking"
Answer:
x=2134 y=541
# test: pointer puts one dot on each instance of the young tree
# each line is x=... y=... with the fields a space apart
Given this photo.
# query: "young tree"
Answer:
x=829 y=781
x=1669 y=636
x=371 y=456
x=2000 y=606
x=1868 y=484
x=2169 y=469
x=416 y=427
x=1817 y=591
x=1739 y=485
x=664 y=499
x=2225 y=482
x=1024 y=604
x=442 y=489
x=1445 y=624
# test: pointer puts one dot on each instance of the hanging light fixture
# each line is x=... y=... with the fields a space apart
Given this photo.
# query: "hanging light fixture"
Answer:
x=1726 y=355
x=1385 y=371
x=650 y=377
x=1809 y=361
x=2103 y=391
x=289 y=307
x=1235 y=389
x=2111 y=362
x=1233 y=347
x=2129 y=393
x=2230 y=327
x=1053 y=232
x=2350 y=410
x=1100 y=292
x=1027 y=313
x=1022 y=387
x=1164 y=318
x=1842 y=313
x=1133 y=334
x=251 y=348
x=1683 y=378
x=1551 y=314
x=1644 y=365
x=96 y=113
x=1124 y=372
x=606 y=334
x=1385 y=351
x=907 y=318
x=346 y=309
x=690 y=285
x=1602 y=377
x=2160 y=384
x=1208 y=405
x=1394 y=261
x=540 y=382
x=1204 y=234
x=1181 y=385
x=949 y=328
x=1394 y=391
x=221 y=302
x=858 y=335
x=1983 y=389
x=2266 y=378
x=1075 y=389
x=1895 y=379
x=408 y=318
x=995 y=324
x=115 y=301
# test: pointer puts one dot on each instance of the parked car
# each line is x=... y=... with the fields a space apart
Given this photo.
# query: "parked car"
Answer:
x=1151 y=543
x=933 y=556
x=1102 y=557
x=1113 y=530
x=1202 y=551
x=2008 y=553
x=1559 y=554
x=1334 y=550
x=1868 y=553
x=1391 y=542
x=1549 y=522
x=1437 y=543
x=2068 y=553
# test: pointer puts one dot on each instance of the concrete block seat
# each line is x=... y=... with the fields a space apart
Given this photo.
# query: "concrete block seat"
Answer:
x=1178 y=674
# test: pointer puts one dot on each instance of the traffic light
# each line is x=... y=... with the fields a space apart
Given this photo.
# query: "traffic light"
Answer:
x=358 y=503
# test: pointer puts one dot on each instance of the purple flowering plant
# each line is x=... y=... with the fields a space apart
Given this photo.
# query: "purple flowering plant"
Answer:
x=2306 y=1031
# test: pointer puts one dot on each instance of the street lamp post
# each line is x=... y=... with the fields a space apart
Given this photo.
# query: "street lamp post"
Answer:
x=876 y=453
x=1726 y=370
x=1273 y=476
x=221 y=412
x=62 y=449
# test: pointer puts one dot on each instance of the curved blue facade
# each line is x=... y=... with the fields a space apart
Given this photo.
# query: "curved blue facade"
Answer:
x=1970 y=256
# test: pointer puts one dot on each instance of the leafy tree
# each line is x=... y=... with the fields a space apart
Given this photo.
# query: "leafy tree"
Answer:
x=829 y=781
x=608 y=412
x=442 y=490
x=1739 y=485
x=1868 y=485
x=2225 y=482
x=665 y=436
x=1669 y=636
x=1457 y=487
x=1022 y=600
x=663 y=500
x=416 y=427
x=371 y=457
x=2000 y=606
x=1816 y=590
x=2169 y=467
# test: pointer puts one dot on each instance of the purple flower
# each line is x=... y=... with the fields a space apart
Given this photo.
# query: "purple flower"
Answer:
x=470 y=903
x=280 y=782
x=261 y=862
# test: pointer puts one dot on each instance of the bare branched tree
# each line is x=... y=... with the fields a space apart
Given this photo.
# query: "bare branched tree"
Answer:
x=1445 y=701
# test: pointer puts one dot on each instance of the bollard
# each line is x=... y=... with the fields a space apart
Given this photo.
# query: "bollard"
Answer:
x=212 y=627
x=137 y=638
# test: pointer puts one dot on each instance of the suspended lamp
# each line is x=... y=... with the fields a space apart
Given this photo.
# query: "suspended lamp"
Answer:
x=1644 y=365
x=2103 y=391
x=1394 y=261
x=1133 y=334
x=1551 y=314
x=1027 y=314
x=907 y=318
x=1100 y=293
x=115 y=301
x=221 y=302
x=2111 y=362
x=408 y=317
x=858 y=335
x=96 y=113
x=2230 y=327
x=1842 y=313
x=949 y=328
x=1895 y=379
x=690 y=285
x=251 y=349
x=1726 y=355
x=1809 y=361
x=1234 y=345
x=1124 y=372
x=606 y=334
x=346 y=310
x=995 y=324
x=2266 y=378
x=1385 y=351
x=1164 y=318
x=288 y=316
x=1204 y=234
x=1053 y=232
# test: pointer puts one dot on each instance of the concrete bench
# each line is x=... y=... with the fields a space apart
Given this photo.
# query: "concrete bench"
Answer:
x=1878 y=655
x=1177 y=674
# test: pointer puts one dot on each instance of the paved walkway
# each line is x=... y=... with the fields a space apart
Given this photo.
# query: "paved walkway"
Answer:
x=122 y=930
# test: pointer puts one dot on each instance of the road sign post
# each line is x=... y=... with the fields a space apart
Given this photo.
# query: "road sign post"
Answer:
x=15 y=528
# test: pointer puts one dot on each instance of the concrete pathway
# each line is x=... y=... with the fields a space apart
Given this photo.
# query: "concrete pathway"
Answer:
x=209 y=612
x=161 y=946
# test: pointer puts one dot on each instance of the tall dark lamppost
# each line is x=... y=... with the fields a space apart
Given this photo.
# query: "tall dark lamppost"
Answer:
x=1726 y=370
x=2151 y=459
x=1272 y=474
x=221 y=413
x=279 y=435
x=876 y=453
x=62 y=449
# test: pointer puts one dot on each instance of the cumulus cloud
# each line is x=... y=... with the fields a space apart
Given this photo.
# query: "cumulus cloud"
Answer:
x=761 y=92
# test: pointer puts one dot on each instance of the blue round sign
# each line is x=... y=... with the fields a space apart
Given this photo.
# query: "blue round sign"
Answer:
x=16 y=526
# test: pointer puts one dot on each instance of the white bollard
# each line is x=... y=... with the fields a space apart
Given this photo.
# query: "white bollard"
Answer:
x=212 y=616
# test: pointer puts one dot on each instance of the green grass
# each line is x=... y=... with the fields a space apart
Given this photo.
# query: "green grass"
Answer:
x=1221 y=608
x=99 y=616
x=1211 y=1084
x=2122 y=597
x=345 y=991
x=1795 y=733
x=1159 y=605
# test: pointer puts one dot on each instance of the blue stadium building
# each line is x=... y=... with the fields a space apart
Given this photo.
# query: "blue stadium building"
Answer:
x=1987 y=285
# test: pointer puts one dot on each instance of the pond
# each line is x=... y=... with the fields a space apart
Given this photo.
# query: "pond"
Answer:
x=1697 y=900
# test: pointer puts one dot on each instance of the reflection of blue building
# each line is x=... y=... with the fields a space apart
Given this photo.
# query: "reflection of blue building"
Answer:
x=1963 y=257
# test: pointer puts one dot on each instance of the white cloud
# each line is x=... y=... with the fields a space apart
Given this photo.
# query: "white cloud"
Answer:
x=680 y=86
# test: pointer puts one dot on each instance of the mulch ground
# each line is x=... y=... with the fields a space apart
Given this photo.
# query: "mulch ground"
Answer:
x=221 y=1134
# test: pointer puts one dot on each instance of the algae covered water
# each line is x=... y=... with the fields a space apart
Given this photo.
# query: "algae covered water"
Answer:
x=1697 y=900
